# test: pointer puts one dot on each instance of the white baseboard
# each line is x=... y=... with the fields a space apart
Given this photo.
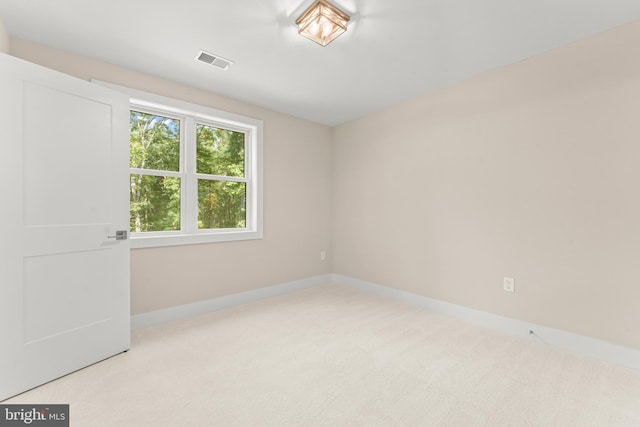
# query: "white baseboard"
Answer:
x=202 y=307
x=579 y=344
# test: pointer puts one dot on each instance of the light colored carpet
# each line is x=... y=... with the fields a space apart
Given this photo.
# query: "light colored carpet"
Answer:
x=334 y=356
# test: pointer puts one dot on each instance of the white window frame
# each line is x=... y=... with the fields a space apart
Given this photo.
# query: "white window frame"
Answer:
x=190 y=114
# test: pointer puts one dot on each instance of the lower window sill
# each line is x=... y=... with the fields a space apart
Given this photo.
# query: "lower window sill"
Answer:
x=159 y=240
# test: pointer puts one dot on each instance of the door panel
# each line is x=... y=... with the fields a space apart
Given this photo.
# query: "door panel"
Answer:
x=65 y=182
x=64 y=284
x=47 y=311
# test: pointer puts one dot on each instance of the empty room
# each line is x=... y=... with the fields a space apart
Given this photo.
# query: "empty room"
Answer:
x=320 y=213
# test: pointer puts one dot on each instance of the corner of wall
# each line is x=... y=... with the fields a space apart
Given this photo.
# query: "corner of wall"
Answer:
x=4 y=38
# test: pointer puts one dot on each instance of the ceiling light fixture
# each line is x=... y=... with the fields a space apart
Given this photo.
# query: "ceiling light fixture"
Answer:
x=322 y=22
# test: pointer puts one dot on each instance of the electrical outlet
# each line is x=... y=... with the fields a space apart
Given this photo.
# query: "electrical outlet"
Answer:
x=509 y=284
x=323 y=255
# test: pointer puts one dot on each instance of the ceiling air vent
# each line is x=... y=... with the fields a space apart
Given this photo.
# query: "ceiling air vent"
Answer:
x=216 y=61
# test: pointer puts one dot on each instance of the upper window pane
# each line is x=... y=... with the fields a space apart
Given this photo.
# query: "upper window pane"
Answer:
x=155 y=142
x=219 y=151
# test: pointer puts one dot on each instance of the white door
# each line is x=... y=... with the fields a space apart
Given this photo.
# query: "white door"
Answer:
x=64 y=283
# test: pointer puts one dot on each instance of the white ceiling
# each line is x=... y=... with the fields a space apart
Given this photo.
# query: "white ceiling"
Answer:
x=393 y=49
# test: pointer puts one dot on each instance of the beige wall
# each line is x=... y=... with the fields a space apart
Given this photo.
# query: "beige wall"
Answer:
x=531 y=171
x=297 y=168
x=4 y=38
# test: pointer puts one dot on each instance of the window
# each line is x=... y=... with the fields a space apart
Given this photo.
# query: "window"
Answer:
x=195 y=173
x=155 y=180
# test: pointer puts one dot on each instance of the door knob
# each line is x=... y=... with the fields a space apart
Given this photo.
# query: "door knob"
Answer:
x=120 y=235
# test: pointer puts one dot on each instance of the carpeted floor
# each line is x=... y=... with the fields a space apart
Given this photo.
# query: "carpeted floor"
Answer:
x=334 y=356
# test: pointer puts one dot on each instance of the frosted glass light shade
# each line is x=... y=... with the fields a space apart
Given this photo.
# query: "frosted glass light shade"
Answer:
x=322 y=22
